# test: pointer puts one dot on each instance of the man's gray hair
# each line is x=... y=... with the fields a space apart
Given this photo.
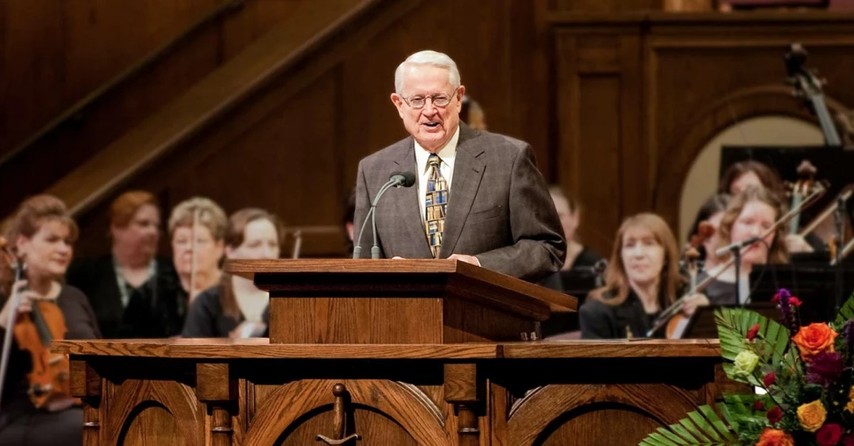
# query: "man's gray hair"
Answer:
x=428 y=57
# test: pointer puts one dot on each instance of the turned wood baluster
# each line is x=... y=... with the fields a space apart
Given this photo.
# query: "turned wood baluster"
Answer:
x=461 y=390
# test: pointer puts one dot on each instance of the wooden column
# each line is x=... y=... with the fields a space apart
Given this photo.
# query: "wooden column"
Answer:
x=218 y=391
x=86 y=385
x=461 y=390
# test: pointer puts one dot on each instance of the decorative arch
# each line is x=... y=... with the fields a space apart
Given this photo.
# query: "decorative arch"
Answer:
x=676 y=159
x=409 y=408
x=538 y=411
x=135 y=395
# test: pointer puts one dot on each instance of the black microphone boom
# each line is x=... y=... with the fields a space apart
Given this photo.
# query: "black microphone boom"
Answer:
x=396 y=179
x=720 y=252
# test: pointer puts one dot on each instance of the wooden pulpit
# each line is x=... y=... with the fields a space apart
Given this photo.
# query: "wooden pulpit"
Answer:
x=348 y=301
x=389 y=352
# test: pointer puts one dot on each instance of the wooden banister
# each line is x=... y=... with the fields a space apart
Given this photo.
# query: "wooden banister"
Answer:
x=283 y=48
x=75 y=111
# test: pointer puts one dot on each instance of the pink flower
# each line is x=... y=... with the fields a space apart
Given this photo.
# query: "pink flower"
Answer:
x=752 y=332
x=829 y=434
x=795 y=301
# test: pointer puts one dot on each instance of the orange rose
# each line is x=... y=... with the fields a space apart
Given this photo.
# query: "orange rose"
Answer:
x=775 y=437
x=814 y=339
x=812 y=415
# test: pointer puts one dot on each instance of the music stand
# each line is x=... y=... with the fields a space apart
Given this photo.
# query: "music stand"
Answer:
x=702 y=323
x=813 y=283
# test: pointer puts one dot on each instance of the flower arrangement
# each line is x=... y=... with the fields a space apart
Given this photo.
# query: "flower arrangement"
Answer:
x=806 y=372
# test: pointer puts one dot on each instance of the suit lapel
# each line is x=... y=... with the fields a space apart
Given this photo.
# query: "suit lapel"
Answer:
x=468 y=171
x=406 y=202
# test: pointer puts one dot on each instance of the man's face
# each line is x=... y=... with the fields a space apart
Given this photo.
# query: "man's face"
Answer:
x=431 y=126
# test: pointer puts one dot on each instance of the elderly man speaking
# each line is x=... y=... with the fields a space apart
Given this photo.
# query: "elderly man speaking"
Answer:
x=478 y=196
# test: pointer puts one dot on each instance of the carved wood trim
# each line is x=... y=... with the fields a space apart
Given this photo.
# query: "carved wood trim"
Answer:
x=415 y=414
x=177 y=399
x=537 y=411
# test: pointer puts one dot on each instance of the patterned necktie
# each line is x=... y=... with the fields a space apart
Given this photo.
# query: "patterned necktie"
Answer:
x=436 y=202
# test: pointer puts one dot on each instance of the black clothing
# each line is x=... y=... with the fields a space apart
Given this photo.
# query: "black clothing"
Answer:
x=718 y=292
x=582 y=268
x=155 y=310
x=206 y=318
x=602 y=321
x=20 y=422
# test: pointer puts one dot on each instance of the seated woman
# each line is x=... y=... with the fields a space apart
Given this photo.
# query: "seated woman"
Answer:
x=710 y=214
x=236 y=308
x=196 y=229
x=131 y=276
x=746 y=174
x=750 y=214
x=578 y=256
x=641 y=280
x=41 y=235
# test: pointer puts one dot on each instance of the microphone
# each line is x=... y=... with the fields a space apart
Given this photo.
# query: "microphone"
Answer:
x=720 y=252
x=396 y=179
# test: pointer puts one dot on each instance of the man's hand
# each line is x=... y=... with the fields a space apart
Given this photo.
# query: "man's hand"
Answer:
x=464 y=258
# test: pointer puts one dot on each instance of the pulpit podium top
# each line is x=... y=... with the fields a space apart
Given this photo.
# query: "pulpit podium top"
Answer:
x=362 y=301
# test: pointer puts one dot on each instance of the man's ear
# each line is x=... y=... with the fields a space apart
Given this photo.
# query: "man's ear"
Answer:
x=398 y=102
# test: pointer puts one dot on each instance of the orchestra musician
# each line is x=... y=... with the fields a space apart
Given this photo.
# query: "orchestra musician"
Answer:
x=197 y=232
x=744 y=174
x=132 y=290
x=236 y=308
x=710 y=214
x=750 y=214
x=642 y=278
x=41 y=235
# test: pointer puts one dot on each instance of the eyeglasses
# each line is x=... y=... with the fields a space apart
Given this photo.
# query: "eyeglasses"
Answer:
x=439 y=100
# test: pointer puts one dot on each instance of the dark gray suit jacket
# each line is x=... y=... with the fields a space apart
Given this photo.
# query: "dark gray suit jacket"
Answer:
x=499 y=208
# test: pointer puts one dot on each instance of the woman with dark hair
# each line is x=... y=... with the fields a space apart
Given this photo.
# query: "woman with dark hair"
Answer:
x=131 y=290
x=236 y=308
x=750 y=214
x=641 y=280
x=743 y=174
x=710 y=215
x=41 y=235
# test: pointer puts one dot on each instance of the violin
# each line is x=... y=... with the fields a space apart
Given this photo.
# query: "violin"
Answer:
x=675 y=309
x=691 y=259
x=49 y=377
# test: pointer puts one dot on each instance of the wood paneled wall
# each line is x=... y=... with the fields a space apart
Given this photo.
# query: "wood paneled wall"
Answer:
x=57 y=52
x=616 y=105
x=296 y=152
x=640 y=95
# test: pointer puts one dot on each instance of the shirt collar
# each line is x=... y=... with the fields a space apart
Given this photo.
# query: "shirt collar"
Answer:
x=446 y=154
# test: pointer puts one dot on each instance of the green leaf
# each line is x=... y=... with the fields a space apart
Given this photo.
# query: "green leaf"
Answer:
x=846 y=313
x=702 y=426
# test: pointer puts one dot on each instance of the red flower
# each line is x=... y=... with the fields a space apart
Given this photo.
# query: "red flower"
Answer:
x=754 y=330
x=829 y=434
x=848 y=440
x=758 y=405
x=795 y=301
x=775 y=414
x=769 y=379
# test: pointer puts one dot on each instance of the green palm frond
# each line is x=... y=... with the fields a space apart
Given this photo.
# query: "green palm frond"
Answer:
x=846 y=313
x=702 y=426
x=733 y=325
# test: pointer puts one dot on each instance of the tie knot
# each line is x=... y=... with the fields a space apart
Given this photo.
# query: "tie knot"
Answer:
x=434 y=160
